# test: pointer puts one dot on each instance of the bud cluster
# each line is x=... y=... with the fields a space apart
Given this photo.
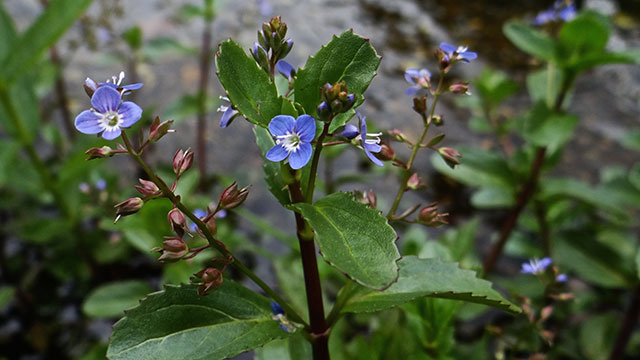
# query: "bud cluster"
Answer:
x=429 y=216
x=271 y=45
x=336 y=99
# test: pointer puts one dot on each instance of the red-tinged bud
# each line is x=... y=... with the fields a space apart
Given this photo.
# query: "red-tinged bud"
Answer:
x=367 y=197
x=429 y=216
x=148 y=188
x=545 y=313
x=231 y=197
x=437 y=120
x=128 y=207
x=182 y=161
x=90 y=86
x=386 y=153
x=99 y=153
x=173 y=249
x=398 y=135
x=211 y=226
x=177 y=221
x=450 y=155
x=420 y=105
x=414 y=183
x=211 y=279
x=159 y=129
x=460 y=89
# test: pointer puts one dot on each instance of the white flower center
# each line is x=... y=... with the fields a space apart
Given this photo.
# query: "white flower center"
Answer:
x=375 y=138
x=461 y=49
x=110 y=121
x=290 y=141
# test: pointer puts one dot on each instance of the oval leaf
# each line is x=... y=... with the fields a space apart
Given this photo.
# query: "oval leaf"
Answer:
x=531 y=41
x=178 y=324
x=431 y=278
x=112 y=299
x=354 y=238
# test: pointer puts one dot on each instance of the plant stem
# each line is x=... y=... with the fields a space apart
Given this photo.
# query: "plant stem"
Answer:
x=414 y=151
x=314 y=163
x=543 y=224
x=291 y=313
x=61 y=94
x=201 y=127
x=628 y=324
x=529 y=188
x=313 y=288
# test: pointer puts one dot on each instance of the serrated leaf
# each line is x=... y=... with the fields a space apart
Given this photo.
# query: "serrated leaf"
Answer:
x=248 y=86
x=272 y=170
x=110 y=300
x=178 y=324
x=431 y=278
x=58 y=16
x=354 y=238
x=347 y=57
x=531 y=41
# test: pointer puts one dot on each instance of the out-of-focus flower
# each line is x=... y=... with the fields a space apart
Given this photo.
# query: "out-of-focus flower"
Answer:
x=228 y=113
x=108 y=115
x=101 y=184
x=460 y=53
x=200 y=214
x=293 y=139
x=450 y=155
x=418 y=78
x=264 y=7
x=560 y=11
x=84 y=187
x=562 y=278
x=535 y=266
x=369 y=146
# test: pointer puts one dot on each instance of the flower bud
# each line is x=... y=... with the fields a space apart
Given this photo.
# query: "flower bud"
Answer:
x=437 y=120
x=173 y=249
x=90 y=86
x=460 y=89
x=231 y=197
x=211 y=225
x=148 y=188
x=159 y=129
x=129 y=206
x=336 y=106
x=350 y=131
x=450 y=156
x=211 y=279
x=386 y=152
x=429 y=216
x=398 y=135
x=324 y=111
x=98 y=153
x=182 y=161
x=367 y=197
x=420 y=105
x=177 y=221
x=414 y=183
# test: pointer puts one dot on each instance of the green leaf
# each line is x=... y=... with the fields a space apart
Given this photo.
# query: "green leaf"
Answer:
x=272 y=170
x=585 y=35
x=494 y=86
x=112 y=299
x=493 y=198
x=531 y=41
x=133 y=37
x=188 y=105
x=478 y=168
x=43 y=33
x=620 y=57
x=542 y=127
x=248 y=86
x=347 y=57
x=161 y=47
x=431 y=278
x=178 y=324
x=544 y=85
x=631 y=140
x=6 y=295
x=354 y=238
x=598 y=334
x=294 y=347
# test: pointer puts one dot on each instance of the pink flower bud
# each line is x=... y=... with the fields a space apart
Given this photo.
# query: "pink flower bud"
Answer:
x=129 y=206
x=414 y=183
x=148 y=188
x=386 y=152
x=159 y=129
x=429 y=216
x=460 y=89
x=211 y=279
x=98 y=153
x=177 y=221
x=450 y=156
x=231 y=197
x=420 y=105
x=173 y=249
x=182 y=161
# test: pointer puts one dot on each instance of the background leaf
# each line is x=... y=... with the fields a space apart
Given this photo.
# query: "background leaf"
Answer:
x=432 y=278
x=531 y=41
x=272 y=170
x=110 y=300
x=354 y=238
x=178 y=324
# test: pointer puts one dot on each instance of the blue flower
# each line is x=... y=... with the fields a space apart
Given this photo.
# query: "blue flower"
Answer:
x=419 y=79
x=228 y=113
x=562 y=278
x=293 y=139
x=560 y=11
x=286 y=69
x=108 y=114
x=350 y=131
x=199 y=213
x=369 y=145
x=535 y=266
x=117 y=83
x=460 y=53
x=101 y=184
x=276 y=308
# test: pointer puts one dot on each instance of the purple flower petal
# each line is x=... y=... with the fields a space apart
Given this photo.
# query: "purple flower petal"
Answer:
x=277 y=153
x=281 y=125
x=88 y=122
x=412 y=90
x=106 y=99
x=527 y=268
x=130 y=113
x=468 y=56
x=350 y=131
x=276 y=308
x=227 y=116
x=132 y=87
x=113 y=86
x=374 y=148
x=305 y=126
x=562 y=278
x=372 y=157
x=411 y=74
x=544 y=263
x=448 y=48
x=300 y=158
x=284 y=68
x=110 y=135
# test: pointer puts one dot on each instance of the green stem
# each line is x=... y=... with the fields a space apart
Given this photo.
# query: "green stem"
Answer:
x=344 y=296
x=308 y=198
x=291 y=313
x=414 y=151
